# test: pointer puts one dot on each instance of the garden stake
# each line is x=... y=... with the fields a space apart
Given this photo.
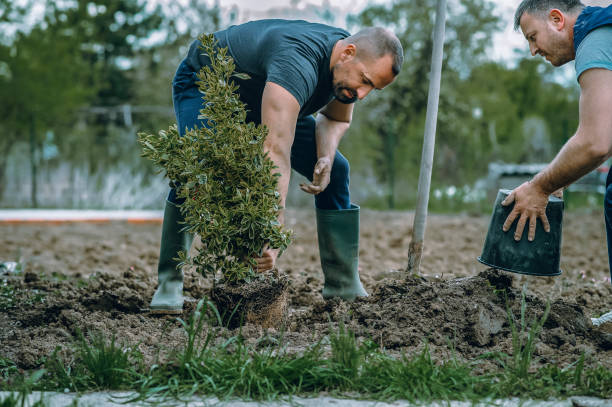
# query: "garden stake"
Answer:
x=415 y=250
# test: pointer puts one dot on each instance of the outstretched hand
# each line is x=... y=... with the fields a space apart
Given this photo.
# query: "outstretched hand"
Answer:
x=320 y=177
x=529 y=205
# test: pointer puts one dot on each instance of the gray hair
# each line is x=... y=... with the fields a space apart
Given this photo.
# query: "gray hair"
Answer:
x=378 y=42
x=541 y=7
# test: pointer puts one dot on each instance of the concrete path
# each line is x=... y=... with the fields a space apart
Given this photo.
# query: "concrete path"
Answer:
x=55 y=216
x=117 y=399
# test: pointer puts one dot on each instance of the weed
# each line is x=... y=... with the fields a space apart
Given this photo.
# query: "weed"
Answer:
x=19 y=399
x=11 y=297
x=107 y=364
x=7 y=296
x=523 y=338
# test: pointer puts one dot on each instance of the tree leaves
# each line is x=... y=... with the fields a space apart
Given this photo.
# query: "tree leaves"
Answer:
x=224 y=175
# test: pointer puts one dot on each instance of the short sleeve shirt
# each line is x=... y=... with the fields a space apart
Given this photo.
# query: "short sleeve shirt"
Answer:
x=595 y=51
x=294 y=54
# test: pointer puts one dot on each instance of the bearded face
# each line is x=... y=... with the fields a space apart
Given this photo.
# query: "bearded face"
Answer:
x=342 y=91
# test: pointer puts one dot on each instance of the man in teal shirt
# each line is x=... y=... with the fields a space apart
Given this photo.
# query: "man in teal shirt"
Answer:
x=561 y=31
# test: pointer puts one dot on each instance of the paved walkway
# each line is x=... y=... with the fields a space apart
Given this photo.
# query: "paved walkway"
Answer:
x=117 y=399
x=56 y=216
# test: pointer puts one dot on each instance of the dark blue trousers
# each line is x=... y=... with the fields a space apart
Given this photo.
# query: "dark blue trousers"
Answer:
x=608 y=217
x=188 y=101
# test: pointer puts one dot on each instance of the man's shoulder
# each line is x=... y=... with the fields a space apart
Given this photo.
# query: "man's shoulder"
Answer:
x=283 y=24
x=595 y=51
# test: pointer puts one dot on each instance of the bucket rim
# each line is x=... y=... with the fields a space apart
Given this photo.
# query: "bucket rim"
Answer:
x=479 y=258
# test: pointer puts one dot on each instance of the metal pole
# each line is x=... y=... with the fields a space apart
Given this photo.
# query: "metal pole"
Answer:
x=415 y=250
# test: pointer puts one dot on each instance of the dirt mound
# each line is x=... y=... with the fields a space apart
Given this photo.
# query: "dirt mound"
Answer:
x=74 y=280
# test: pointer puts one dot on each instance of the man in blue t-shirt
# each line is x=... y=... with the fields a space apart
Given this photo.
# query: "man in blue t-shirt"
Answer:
x=295 y=69
x=560 y=31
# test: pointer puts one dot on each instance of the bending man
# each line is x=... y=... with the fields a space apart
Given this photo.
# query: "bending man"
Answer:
x=296 y=69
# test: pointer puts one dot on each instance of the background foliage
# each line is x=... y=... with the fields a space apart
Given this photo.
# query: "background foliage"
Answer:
x=79 y=82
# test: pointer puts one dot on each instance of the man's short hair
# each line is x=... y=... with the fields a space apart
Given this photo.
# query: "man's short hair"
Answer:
x=376 y=42
x=541 y=7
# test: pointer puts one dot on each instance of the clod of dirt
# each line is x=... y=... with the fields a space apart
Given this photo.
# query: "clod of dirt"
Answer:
x=262 y=301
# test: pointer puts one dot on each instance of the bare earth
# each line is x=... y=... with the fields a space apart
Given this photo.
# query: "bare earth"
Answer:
x=100 y=278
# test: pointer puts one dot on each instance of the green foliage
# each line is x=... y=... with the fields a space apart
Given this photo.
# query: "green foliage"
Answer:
x=228 y=182
x=524 y=335
x=107 y=364
x=11 y=297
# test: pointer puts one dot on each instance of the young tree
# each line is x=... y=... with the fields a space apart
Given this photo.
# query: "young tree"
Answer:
x=224 y=176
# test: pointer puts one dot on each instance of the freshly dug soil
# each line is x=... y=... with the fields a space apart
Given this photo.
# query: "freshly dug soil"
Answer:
x=100 y=278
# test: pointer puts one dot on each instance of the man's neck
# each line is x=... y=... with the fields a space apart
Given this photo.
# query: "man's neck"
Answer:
x=335 y=55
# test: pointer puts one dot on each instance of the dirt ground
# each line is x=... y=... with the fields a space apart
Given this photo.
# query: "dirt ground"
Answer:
x=100 y=278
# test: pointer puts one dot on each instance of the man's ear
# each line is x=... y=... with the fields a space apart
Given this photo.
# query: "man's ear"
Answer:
x=348 y=53
x=557 y=19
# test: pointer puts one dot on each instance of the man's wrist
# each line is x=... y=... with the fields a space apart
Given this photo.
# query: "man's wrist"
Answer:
x=539 y=183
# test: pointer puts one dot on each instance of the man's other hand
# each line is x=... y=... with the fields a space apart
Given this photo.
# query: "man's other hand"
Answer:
x=529 y=205
x=267 y=260
x=320 y=177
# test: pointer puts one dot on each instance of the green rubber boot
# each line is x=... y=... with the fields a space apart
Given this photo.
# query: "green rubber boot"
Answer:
x=168 y=298
x=338 y=232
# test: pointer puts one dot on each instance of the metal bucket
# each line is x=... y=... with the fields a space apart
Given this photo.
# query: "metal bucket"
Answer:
x=539 y=257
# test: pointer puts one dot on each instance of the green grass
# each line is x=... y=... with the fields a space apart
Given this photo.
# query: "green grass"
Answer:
x=339 y=364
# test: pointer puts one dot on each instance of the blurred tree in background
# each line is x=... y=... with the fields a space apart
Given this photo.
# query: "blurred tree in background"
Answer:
x=79 y=79
x=482 y=103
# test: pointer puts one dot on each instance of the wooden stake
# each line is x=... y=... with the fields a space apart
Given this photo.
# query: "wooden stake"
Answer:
x=415 y=250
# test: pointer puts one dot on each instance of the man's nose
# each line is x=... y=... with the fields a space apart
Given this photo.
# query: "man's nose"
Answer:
x=533 y=49
x=363 y=91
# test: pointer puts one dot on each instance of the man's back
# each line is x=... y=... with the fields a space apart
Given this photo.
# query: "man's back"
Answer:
x=292 y=54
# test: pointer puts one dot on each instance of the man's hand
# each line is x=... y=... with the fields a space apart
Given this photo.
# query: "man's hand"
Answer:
x=267 y=260
x=529 y=204
x=320 y=177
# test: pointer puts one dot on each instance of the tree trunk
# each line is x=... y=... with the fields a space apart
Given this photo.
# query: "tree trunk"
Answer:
x=33 y=163
x=7 y=145
x=390 y=145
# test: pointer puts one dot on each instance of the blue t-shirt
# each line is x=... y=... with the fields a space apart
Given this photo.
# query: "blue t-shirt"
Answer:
x=294 y=54
x=595 y=50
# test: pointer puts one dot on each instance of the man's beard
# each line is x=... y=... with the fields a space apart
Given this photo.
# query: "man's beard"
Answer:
x=561 y=53
x=341 y=97
x=339 y=89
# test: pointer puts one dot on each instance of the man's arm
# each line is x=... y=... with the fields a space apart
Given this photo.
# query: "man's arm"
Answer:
x=332 y=122
x=279 y=112
x=585 y=151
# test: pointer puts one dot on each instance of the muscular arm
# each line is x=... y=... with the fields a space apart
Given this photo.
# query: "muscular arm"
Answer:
x=592 y=143
x=279 y=112
x=332 y=122
x=584 y=151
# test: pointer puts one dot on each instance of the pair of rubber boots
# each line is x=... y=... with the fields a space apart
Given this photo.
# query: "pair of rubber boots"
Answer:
x=338 y=232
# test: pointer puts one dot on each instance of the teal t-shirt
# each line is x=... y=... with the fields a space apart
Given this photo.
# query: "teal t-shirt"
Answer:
x=595 y=51
x=294 y=54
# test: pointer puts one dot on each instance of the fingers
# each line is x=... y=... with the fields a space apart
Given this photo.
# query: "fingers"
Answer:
x=265 y=263
x=509 y=199
x=311 y=188
x=545 y=223
x=509 y=220
x=519 y=227
x=532 y=227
